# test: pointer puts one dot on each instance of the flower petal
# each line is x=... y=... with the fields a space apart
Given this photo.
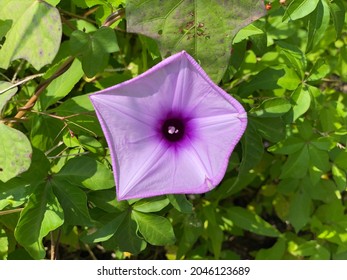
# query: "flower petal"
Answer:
x=168 y=171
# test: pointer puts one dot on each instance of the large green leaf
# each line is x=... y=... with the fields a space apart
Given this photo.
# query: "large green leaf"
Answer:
x=288 y=146
x=271 y=129
x=41 y=215
x=155 y=229
x=299 y=9
x=45 y=131
x=276 y=252
x=337 y=10
x=126 y=237
x=203 y=28
x=296 y=165
x=213 y=228
x=73 y=201
x=192 y=229
x=180 y=202
x=154 y=204
x=248 y=220
x=302 y=100
x=107 y=230
x=61 y=86
x=94 y=48
x=252 y=153
x=87 y=172
x=265 y=79
x=106 y=200
x=300 y=209
x=15 y=152
x=318 y=23
x=35 y=33
x=272 y=107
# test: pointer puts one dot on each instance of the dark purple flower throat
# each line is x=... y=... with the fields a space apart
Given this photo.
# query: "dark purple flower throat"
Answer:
x=173 y=129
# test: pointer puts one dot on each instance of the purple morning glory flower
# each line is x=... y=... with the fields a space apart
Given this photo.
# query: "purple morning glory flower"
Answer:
x=170 y=130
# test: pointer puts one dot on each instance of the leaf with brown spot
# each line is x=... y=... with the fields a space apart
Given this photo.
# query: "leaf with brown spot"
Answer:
x=204 y=29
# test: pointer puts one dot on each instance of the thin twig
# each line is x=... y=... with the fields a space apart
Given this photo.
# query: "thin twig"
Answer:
x=55 y=245
x=6 y=212
x=90 y=252
x=52 y=246
x=69 y=155
x=23 y=81
x=76 y=16
x=112 y=18
x=20 y=66
x=41 y=87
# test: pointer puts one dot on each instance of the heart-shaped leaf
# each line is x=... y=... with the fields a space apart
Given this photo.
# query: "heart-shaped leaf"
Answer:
x=35 y=33
x=15 y=153
x=204 y=29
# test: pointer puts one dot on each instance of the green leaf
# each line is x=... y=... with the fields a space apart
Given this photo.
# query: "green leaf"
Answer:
x=301 y=98
x=5 y=26
x=156 y=230
x=7 y=94
x=126 y=237
x=73 y=201
x=91 y=144
x=106 y=200
x=15 y=155
x=35 y=33
x=40 y=216
x=192 y=229
x=148 y=205
x=181 y=203
x=299 y=9
x=213 y=229
x=81 y=114
x=290 y=80
x=341 y=160
x=300 y=210
x=44 y=131
x=204 y=29
x=13 y=193
x=61 y=86
x=311 y=249
x=317 y=24
x=94 y=48
x=296 y=165
x=288 y=146
x=293 y=57
x=246 y=32
x=4 y=243
x=87 y=172
x=337 y=10
x=252 y=153
x=272 y=107
x=106 y=231
x=319 y=159
x=319 y=70
x=252 y=150
x=339 y=177
x=266 y=79
x=250 y=221
x=271 y=129
x=276 y=252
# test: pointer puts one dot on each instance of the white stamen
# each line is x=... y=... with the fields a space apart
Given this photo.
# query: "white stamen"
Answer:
x=171 y=130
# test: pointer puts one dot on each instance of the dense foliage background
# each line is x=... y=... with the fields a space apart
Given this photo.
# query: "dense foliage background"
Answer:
x=284 y=195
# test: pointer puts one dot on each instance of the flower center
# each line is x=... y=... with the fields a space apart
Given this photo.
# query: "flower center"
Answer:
x=173 y=129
